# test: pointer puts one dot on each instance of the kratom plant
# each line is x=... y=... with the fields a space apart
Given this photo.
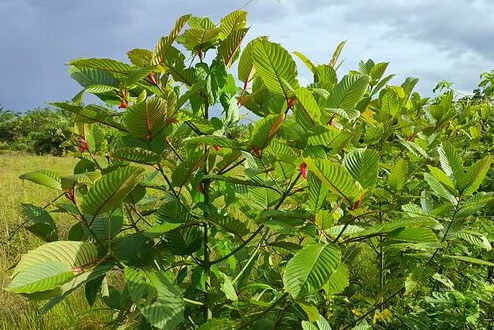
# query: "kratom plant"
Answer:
x=345 y=204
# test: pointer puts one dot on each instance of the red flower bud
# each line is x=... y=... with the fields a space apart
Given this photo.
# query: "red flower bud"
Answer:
x=83 y=146
x=291 y=103
x=303 y=170
x=153 y=79
x=357 y=203
x=216 y=148
x=123 y=104
x=256 y=151
x=201 y=54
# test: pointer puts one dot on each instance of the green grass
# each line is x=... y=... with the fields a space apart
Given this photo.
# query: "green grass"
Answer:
x=15 y=311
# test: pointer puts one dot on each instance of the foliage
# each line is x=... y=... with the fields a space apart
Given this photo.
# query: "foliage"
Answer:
x=41 y=131
x=350 y=201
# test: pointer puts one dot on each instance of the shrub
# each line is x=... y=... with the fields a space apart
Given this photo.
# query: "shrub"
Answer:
x=350 y=201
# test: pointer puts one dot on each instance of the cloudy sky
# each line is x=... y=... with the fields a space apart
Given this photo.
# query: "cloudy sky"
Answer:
x=429 y=39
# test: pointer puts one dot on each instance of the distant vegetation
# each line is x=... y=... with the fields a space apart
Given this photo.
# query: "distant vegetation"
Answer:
x=40 y=131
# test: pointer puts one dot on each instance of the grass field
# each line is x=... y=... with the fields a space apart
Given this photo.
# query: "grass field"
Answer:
x=15 y=311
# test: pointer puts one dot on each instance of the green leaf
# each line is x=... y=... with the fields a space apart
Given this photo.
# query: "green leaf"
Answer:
x=184 y=172
x=276 y=68
x=246 y=68
x=306 y=61
x=45 y=178
x=102 y=64
x=325 y=76
x=44 y=276
x=173 y=211
x=475 y=175
x=363 y=165
x=397 y=176
x=472 y=260
x=232 y=22
x=91 y=114
x=339 y=280
x=109 y=191
x=136 y=155
x=439 y=189
x=451 y=162
x=307 y=109
x=148 y=119
x=40 y=223
x=336 y=178
x=265 y=130
x=228 y=288
x=348 y=92
x=159 y=301
x=310 y=268
x=203 y=39
x=317 y=192
x=213 y=140
x=140 y=57
x=75 y=255
x=164 y=44
x=336 y=54
x=231 y=45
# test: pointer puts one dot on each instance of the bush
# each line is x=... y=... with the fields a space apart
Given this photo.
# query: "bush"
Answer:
x=349 y=202
x=41 y=131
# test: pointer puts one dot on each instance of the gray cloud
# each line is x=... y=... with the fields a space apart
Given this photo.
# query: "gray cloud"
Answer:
x=432 y=40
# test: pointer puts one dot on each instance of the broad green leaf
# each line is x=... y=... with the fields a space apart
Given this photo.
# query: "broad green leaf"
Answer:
x=75 y=255
x=186 y=169
x=397 y=176
x=136 y=155
x=146 y=120
x=45 y=178
x=109 y=191
x=43 y=276
x=472 y=260
x=92 y=113
x=173 y=212
x=230 y=23
x=451 y=162
x=363 y=165
x=265 y=130
x=102 y=64
x=140 y=57
x=220 y=141
x=229 y=48
x=159 y=301
x=348 y=92
x=443 y=178
x=164 y=44
x=306 y=61
x=439 y=189
x=307 y=110
x=325 y=77
x=228 y=288
x=317 y=192
x=475 y=175
x=40 y=222
x=336 y=178
x=200 y=39
x=246 y=69
x=310 y=268
x=276 y=68
x=339 y=280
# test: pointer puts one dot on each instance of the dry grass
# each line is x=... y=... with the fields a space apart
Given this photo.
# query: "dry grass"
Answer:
x=15 y=311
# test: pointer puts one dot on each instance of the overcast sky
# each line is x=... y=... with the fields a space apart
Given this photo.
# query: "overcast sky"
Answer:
x=429 y=39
